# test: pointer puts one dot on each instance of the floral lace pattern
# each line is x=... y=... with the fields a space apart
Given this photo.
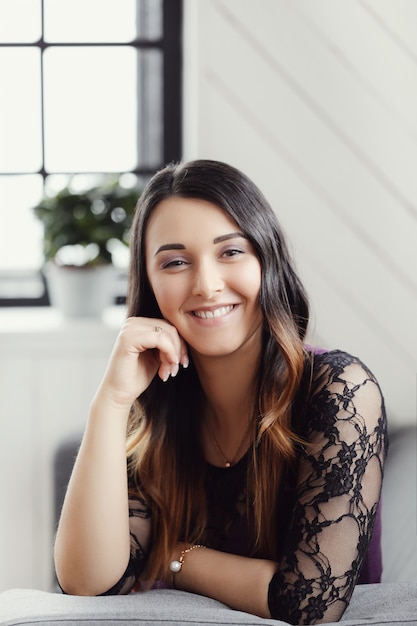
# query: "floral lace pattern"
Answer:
x=327 y=507
x=337 y=493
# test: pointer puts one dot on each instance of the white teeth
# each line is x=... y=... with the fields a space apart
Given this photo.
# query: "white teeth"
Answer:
x=216 y=313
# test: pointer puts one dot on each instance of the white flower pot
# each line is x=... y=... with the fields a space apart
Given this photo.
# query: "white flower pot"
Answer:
x=81 y=291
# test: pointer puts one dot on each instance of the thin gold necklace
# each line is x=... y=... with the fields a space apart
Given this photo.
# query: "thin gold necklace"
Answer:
x=228 y=462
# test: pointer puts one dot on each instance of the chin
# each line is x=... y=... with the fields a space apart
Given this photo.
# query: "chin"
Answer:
x=211 y=350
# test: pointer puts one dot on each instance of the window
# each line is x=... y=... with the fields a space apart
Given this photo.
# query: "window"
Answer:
x=88 y=87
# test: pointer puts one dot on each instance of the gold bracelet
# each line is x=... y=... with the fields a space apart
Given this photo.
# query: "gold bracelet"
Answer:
x=176 y=566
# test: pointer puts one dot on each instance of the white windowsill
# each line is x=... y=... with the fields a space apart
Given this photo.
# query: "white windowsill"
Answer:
x=45 y=328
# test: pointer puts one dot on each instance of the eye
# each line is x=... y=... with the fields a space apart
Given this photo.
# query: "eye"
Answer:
x=173 y=263
x=231 y=252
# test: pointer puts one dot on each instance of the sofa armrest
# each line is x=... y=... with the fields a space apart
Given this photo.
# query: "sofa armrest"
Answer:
x=371 y=605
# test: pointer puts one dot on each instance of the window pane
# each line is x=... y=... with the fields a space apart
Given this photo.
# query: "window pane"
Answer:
x=119 y=20
x=21 y=234
x=90 y=109
x=20 y=21
x=90 y=20
x=20 y=110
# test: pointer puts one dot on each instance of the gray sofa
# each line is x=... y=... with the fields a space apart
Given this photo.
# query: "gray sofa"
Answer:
x=394 y=601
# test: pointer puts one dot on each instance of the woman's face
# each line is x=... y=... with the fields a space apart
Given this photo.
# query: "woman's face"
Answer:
x=205 y=275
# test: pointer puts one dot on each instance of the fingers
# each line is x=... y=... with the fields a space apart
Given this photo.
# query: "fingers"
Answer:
x=172 y=351
x=163 y=340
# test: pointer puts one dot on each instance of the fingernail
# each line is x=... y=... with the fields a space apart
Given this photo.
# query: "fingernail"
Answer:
x=165 y=378
x=174 y=370
x=185 y=361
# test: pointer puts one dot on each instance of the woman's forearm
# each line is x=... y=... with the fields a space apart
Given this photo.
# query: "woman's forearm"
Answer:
x=92 y=543
x=240 y=582
x=92 y=547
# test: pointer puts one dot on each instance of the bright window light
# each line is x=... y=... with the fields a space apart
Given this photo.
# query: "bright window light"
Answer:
x=90 y=20
x=90 y=109
x=20 y=235
x=82 y=95
x=20 y=21
x=20 y=110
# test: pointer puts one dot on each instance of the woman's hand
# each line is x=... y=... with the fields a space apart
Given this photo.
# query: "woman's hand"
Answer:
x=144 y=347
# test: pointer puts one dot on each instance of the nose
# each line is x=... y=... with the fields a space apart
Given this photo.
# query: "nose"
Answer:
x=207 y=279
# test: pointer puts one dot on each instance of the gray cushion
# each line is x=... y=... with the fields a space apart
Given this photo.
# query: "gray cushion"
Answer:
x=378 y=605
x=156 y=607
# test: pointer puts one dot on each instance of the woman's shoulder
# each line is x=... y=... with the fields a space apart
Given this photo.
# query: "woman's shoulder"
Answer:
x=335 y=362
x=337 y=385
x=319 y=352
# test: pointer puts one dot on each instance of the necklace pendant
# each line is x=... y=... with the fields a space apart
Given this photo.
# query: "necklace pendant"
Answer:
x=228 y=464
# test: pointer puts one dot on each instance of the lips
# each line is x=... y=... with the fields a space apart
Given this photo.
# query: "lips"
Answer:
x=212 y=313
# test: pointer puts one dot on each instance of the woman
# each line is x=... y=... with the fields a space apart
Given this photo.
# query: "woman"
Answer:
x=254 y=463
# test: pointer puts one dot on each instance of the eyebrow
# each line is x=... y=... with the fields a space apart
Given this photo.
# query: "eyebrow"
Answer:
x=180 y=246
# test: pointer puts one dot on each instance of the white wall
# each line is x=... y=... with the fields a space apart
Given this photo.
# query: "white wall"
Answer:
x=317 y=101
x=49 y=371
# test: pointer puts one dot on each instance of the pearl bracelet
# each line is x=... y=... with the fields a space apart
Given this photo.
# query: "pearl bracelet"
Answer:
x=176 y=566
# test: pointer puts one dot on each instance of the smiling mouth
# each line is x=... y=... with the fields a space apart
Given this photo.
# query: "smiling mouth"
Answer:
x=205 y=315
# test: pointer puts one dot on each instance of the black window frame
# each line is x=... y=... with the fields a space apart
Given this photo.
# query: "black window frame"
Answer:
x=170 y=44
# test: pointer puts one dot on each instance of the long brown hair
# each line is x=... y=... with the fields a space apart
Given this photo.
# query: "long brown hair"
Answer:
x=165 y=461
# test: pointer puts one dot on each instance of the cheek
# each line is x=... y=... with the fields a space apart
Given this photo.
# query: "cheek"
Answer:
x=251 y=279
x=167 y=296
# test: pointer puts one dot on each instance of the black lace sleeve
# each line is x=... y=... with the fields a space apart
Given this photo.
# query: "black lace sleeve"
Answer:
x=139 y=523
x=338 y=490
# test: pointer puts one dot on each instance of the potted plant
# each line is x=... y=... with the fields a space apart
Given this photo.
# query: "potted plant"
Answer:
x=81 y=230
